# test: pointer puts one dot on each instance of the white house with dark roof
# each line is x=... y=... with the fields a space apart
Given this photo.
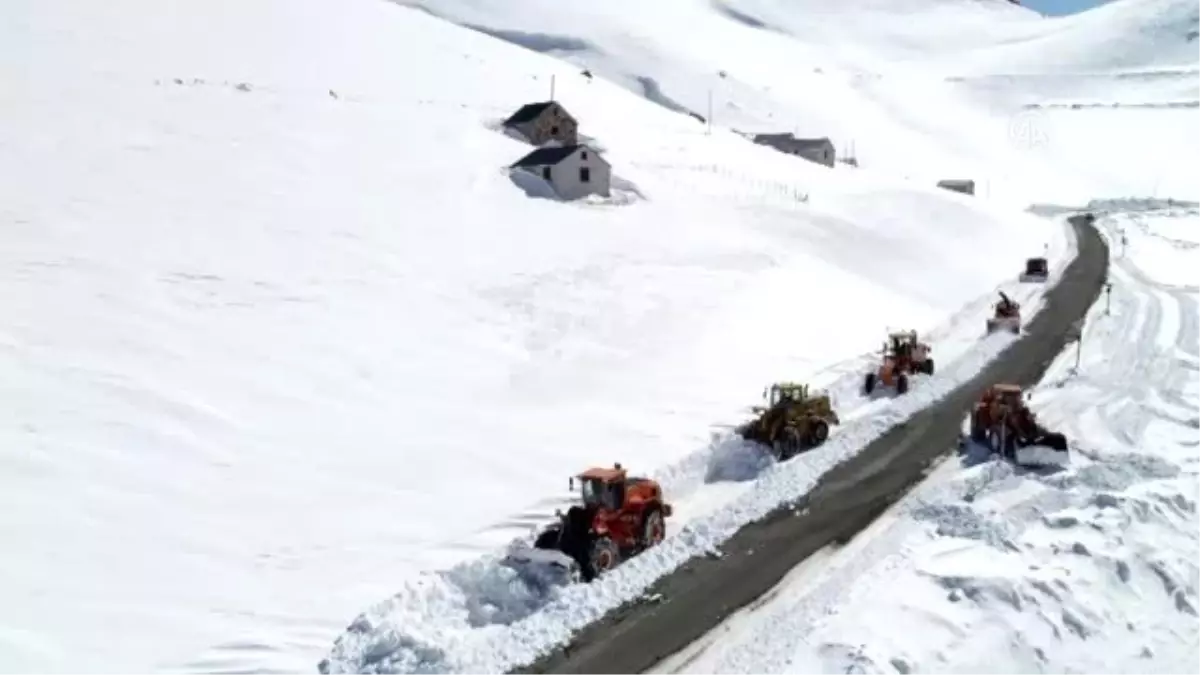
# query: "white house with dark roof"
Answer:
x=573 y=171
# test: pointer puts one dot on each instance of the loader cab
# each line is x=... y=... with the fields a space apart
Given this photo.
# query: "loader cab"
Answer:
x=786 y=391
x=1007 y=306
x=901 y=345
x=1008 y=394
x=604 y=488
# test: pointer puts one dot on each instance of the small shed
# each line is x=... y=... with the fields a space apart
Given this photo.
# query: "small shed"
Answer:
x=819 y=150
x=963 y=185
x=573 y=171
x=541 y=122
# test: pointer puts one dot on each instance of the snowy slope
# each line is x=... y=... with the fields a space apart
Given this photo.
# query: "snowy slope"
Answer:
x=1126 y=36
x=993 y=569
x=824 y=81
x=278 y=332
x=872 y=75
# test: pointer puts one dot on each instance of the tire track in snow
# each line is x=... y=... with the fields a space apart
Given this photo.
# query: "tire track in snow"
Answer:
x=1161 y=322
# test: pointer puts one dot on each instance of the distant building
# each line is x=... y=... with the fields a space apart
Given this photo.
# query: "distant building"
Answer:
x=539 y=123
x=819 y=150
x=573 y=171
x=965 y=186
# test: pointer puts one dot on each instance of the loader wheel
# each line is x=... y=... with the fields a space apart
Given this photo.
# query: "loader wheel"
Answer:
x=979 y=432
x=1004 y=444
x=819 y=433
x=927 y=366
x=653 y=528
x=902 y=383
x=788 y=444
x=869 y=383
x=605 y=555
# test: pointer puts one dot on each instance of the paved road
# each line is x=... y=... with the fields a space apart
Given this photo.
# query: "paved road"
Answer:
x=704 y=592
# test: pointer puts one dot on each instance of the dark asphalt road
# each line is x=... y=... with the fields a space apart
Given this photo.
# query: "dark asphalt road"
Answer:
x=704 y=592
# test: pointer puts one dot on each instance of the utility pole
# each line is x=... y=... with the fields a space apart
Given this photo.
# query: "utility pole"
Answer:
x=708 y=128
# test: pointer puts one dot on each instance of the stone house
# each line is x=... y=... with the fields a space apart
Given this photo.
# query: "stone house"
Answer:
x=965 y=186
x=539 y=123
x=573 y=171
x=819 y=150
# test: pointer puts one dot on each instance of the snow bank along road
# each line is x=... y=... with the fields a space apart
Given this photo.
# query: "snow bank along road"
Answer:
x=684 y=605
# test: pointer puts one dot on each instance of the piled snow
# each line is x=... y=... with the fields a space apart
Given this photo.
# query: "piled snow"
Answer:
x=1092 y=569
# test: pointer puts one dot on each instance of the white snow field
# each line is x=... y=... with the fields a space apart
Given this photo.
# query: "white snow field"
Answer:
x=278 y=334
x=991 y=568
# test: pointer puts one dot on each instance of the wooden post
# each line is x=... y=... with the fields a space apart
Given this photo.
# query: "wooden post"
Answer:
x=1077 y=333
x=1107 y=298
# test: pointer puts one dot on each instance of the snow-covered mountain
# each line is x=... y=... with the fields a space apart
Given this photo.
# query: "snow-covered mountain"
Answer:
x=871 y=74
x=278 y=332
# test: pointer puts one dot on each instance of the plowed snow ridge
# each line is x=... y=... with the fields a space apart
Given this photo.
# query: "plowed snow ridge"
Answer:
x=478 y=617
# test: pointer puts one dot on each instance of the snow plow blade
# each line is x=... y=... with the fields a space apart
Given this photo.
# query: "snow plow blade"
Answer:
x=1010 y=324
x=1037 y=270
x=539 y=567
x=1041 y=455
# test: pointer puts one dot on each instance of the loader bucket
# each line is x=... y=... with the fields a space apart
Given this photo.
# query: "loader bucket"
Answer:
x=541 y=568
x=1041 y=456
x=1010 y=324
